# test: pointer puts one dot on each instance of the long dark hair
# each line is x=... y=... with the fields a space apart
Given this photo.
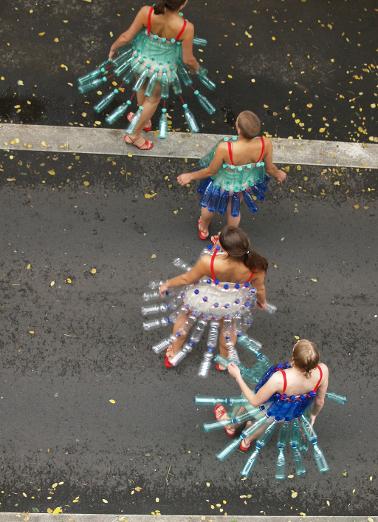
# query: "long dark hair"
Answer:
x=173 y=5
x=235 y=242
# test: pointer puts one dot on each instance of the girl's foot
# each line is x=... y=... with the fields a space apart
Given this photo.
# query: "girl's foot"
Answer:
x=169 y=354
x=139 y=142
x=147 y=128
x=203 y=233
x=221 y=414
x=245 y=446
x=220 y=368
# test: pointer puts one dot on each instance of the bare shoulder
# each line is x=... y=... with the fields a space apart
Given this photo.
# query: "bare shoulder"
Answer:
x=143 y=13
x=324 y=368
x=268 y=142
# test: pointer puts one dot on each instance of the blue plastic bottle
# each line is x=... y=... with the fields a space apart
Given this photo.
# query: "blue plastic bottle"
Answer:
x=235 y=205
x=249 y=202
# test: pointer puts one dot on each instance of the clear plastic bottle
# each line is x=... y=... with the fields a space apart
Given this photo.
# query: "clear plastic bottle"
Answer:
x=271 y=309
x=122 y=56
x=163 y=345
x=164 y=85
x=205 y=103
x=118 y=113
x=313 y=439
x=92 y=85
x=152 y=83
x=226 y=452
x=155 y=285
x=199 y=42
x=163 y=125
x=261 y=442
x=281 y=445
x=135 y=121
x=182 y=265
x=190 y=119
x=227 y=401
x=94 y=74
x=184 y=76
x=205 y=80
x=156 y=309
x=340 y=399
x=176 y=84
x=105 y=101
x=142 y=78
x=155 y=324
x=123 y=67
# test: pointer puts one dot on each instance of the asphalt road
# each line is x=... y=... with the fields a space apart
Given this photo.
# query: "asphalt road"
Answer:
x=307 y=67
x=68 y=349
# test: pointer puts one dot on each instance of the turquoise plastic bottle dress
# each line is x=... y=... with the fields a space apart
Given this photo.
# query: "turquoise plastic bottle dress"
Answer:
x=148 y=61
x=233 y=183
x=288 y=414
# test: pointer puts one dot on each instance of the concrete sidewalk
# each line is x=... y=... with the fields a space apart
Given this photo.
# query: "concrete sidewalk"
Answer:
x=179 y=145
x=42 y=517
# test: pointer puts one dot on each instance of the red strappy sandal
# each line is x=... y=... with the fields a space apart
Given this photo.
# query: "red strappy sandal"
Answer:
x=220 y=368
x=201 y=234
x=219 y=412
x=147 y=144
x=243 y=447
x=130 y=117
x=167 y=364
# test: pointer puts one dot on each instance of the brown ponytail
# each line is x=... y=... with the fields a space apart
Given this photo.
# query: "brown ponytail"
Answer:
x=305 y=356
x=172 y=5
x=235 y=242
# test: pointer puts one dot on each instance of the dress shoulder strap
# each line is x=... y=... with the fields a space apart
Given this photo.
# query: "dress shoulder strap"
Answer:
x=182 y=30
x=149 y=20
x=212 y=271
x=229 y=146
x=262 y=149
x=320 y=378
x=284 y=380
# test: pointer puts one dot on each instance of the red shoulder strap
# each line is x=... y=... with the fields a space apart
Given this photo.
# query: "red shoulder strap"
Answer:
x=229 y=145
x=262 y=149
x=250 y=277
x=182 y=30
x=320 y=378
x=212 y=271
x=149 y=21
x=284 y=380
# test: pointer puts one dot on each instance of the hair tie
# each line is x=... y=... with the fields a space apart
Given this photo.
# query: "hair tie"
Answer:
x=248 y=252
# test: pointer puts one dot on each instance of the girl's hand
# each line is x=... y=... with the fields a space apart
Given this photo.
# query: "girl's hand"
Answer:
x=184 y=179
x=233 y=370
x=281 y=176
x=112 y=52
x=163 y=289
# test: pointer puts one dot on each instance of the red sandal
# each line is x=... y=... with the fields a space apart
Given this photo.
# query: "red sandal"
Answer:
x=220 y=368
x=219 y=412
x=243 y=447
x=130 y=117
x=147 y=144
x=201 y=234
x=167 y=363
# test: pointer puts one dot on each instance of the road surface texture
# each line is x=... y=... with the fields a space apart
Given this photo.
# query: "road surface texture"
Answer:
x=307 y=67
x=91 y=421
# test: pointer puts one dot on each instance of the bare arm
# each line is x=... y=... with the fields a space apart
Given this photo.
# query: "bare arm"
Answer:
x=258 y=283
x=132 y=31
x=271 y=168
x=200 y=269
x=320 y=396
x=187 y=49
x=211 y=170
x=264 y=393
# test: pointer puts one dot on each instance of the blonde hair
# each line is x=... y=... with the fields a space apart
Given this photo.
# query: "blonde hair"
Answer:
x=249 y=124
x=305 y=356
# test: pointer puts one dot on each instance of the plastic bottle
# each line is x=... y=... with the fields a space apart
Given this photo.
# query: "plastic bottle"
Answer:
x=94 y=74
x=214 y=199
x=142 y=78
x=163 y=125
x=152 y=83
x=135 y=121
x=261 y=442
x=205 y=103
x=227 y=401
x=190 y=119
x=92 y=85
x=176 y=84
x=164 y=85
x=271 y=309
x=182 y=265
x=163 y=345
x=121 y=69
x=246 y=433
x=281 y=445
x=235 y=204
x=156 y=323
x=199 y=42
x=223 y=202
x=294 y=443
x=212 y=341
x=249 y=202
x=340 y=399
x=184 y=76
x=155 y=285
x=205 y=80
x=207 y=195
x=157 y=309
x=118 y=113
x=250 y=344
x=122 y=56
x=105 y=101
x=313 y=439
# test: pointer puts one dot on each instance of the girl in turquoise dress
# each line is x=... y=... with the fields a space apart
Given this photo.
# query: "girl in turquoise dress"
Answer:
x=235 y=170
x=153 y=57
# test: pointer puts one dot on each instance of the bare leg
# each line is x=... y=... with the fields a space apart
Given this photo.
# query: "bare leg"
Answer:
x=150 y=104
x=232 y=221
x=179 y=341
x=248 y=440
x=206 y=218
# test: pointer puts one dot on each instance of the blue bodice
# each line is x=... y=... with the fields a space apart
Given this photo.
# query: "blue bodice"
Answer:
x=282 y=406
